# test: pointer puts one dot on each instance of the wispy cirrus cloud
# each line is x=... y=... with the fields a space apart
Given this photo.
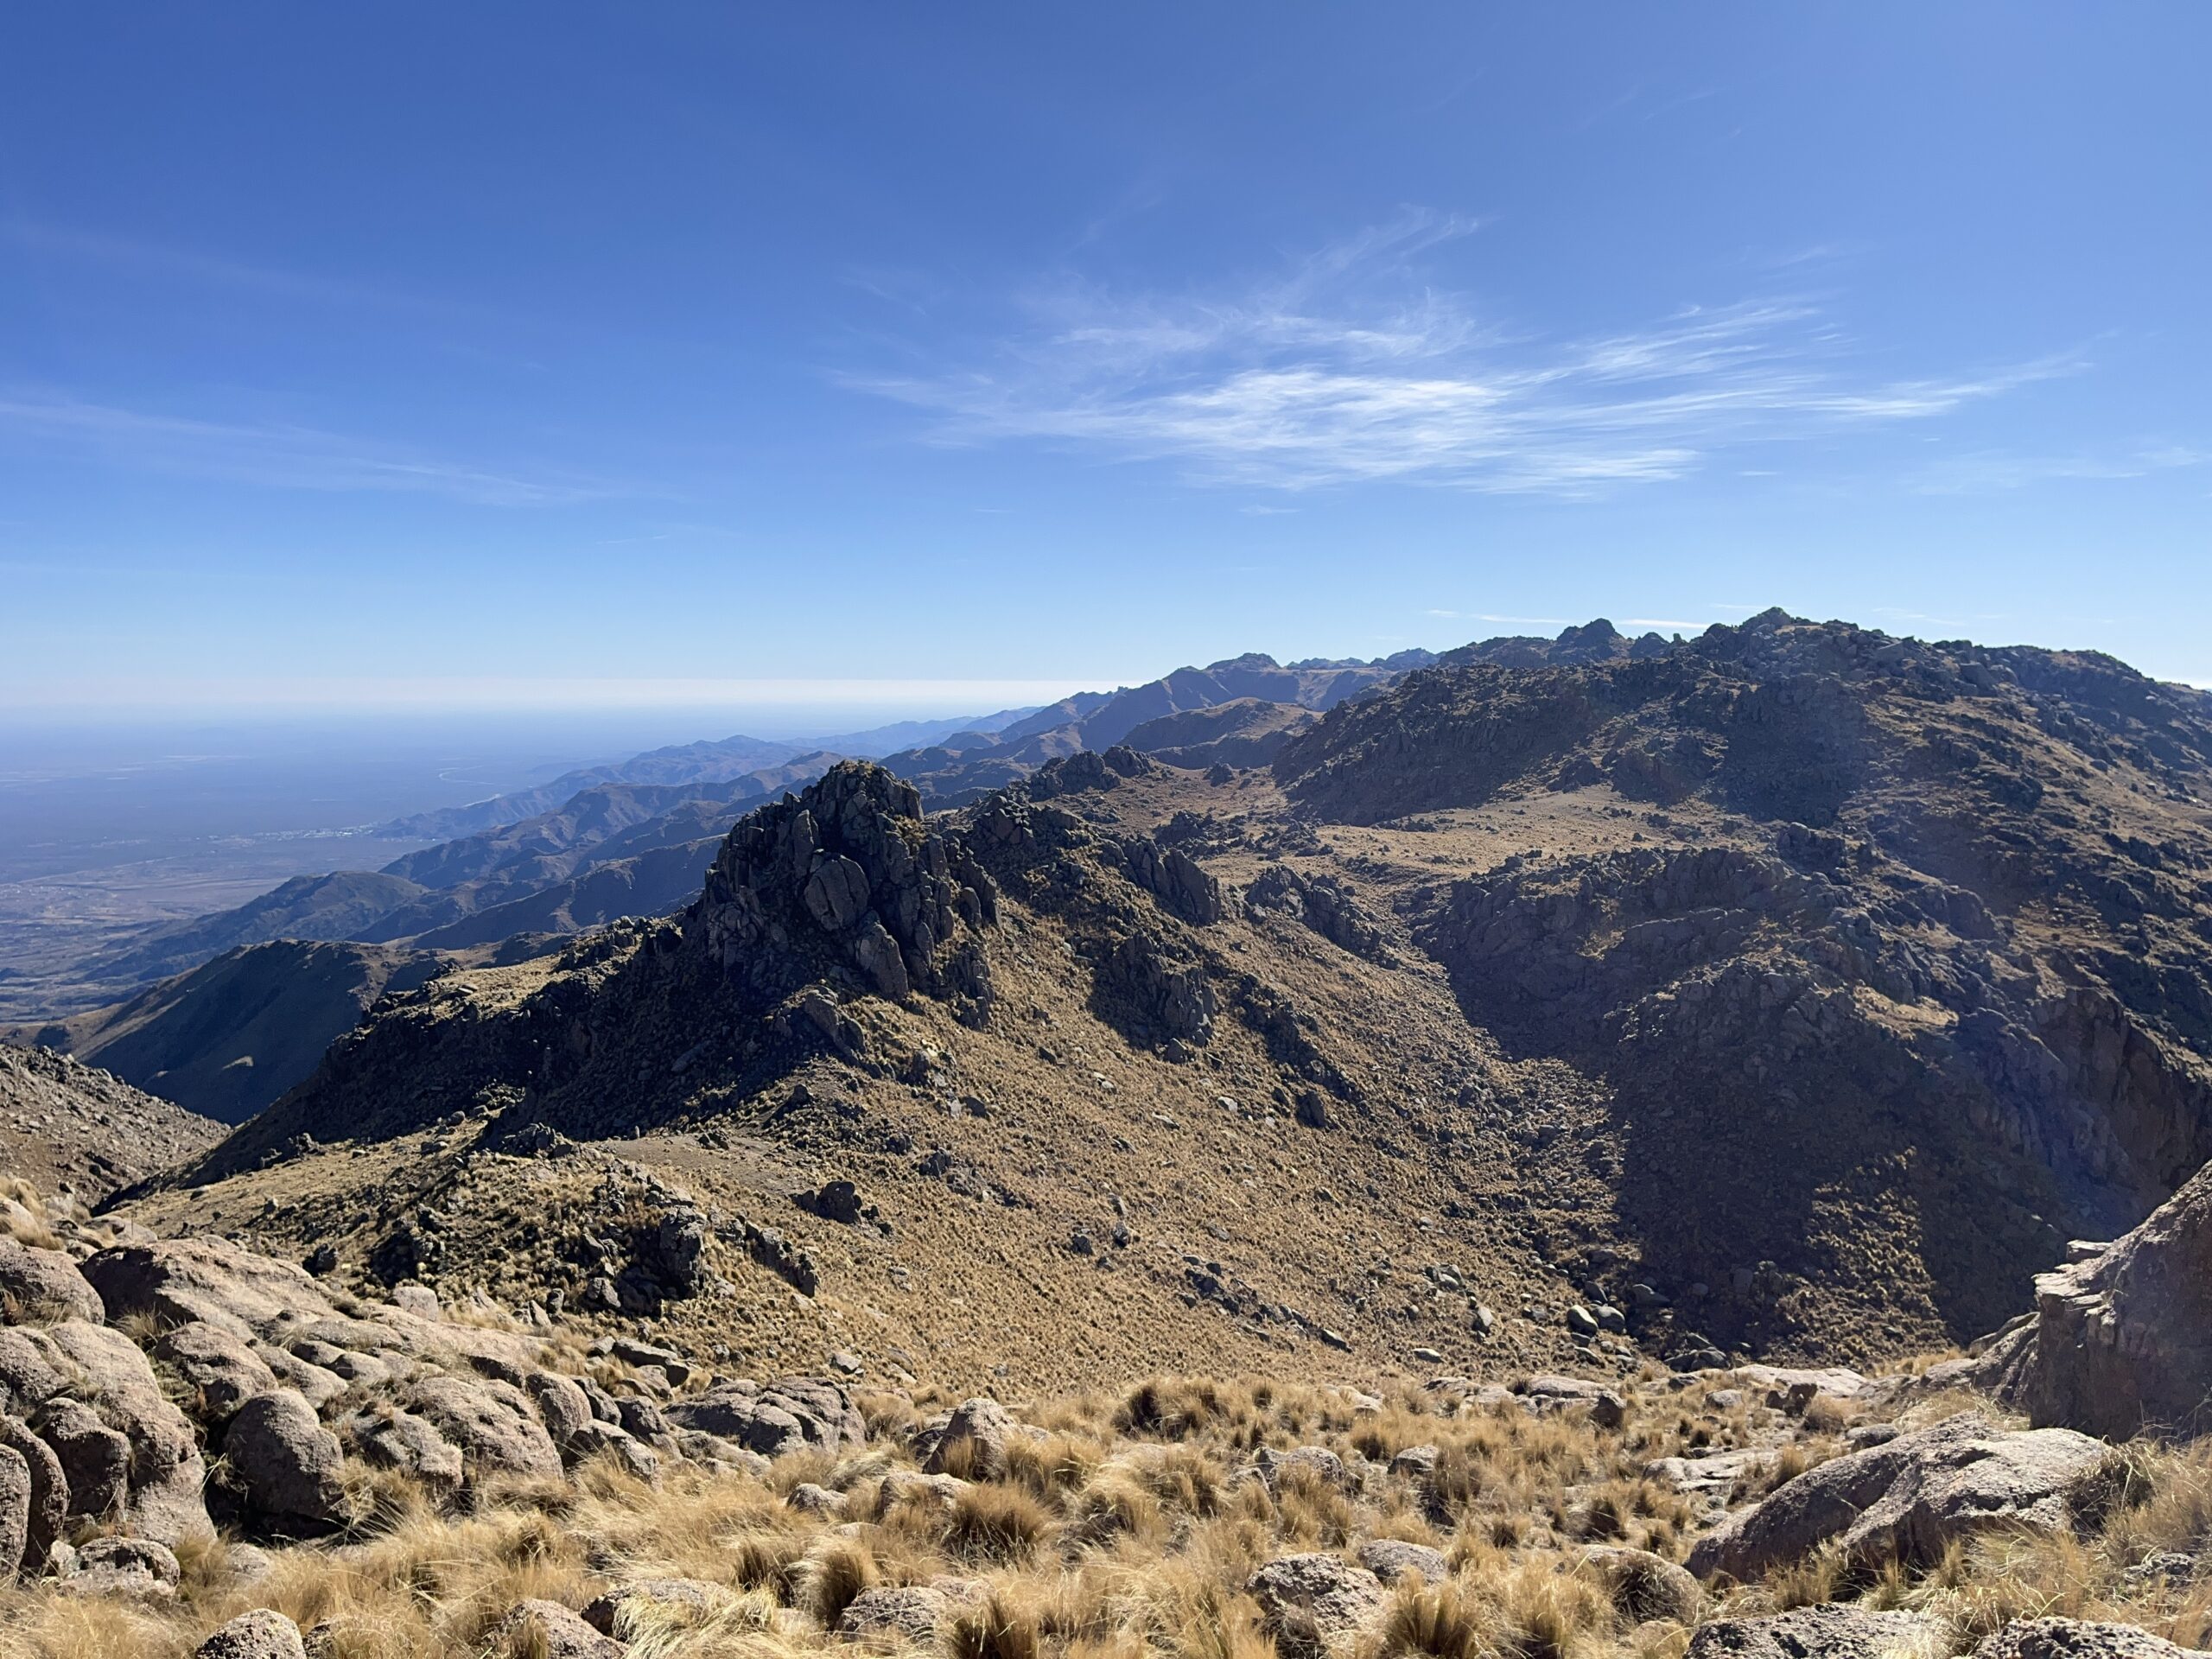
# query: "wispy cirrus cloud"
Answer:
x=275 y=455
x=1987 y=471
x=1348 y=367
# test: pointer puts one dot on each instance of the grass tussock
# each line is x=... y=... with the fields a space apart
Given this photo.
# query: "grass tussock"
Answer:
x=1129 y=1528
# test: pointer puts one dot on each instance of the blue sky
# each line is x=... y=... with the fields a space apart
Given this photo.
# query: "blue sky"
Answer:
x=516 y=355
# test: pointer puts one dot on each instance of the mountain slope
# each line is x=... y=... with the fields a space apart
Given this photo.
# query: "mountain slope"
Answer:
x=1795 y=990
x=68 y=1126
x=227 y=1039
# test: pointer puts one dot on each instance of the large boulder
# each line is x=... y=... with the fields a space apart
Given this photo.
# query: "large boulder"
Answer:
x=212 y=1279
x=1828 y=1632
x=95 y=1459
x=915 y=1613
x=48 y=1510
x=14 y=1510
x=392 y=1438
x=2120 y=1341
x=221 y=1370
x=491 y=1422
x=1909 y=1497
x=2074 y=1638
x=289 y=1464
x=1317 y=1603
x=972 y=1443
x=37 y=1285
x=166 y=1470
x=546 y=1630
x=264 y=1633
x=790 y=1415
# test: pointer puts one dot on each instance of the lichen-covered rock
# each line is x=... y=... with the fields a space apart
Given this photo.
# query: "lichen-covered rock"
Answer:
x=1316 y=1603
x=1391 y=1558
x=221 y=1368
x=14 y=1510
x=138 y=1568
x=392 y=1438
x=2074 y=1638
x=789 y=1415
x=289 y=1464
x=972 y=1443
x=47 y=1504
x=546 y=1630
x=1642 y=1586
x=1828 y=1632
x=264 y=1633
x=915 y=1612
x=678 y=1601
x=491 y=1422
x=38 y=1286
x=1908 y=1498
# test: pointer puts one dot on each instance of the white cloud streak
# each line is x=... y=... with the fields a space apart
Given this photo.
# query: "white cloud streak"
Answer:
x=278 y=455
x=1349 y=369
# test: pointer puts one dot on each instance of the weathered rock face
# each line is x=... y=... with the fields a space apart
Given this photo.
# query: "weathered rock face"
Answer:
x=262 y=1634
x=1317 y=1603
x=2121 y=1341
x=913 y=1613
x=1909 y=1497
x=38 y=1285
x=265 y=1351
x=1822 y=1633
x=971 y=1442
x=288 y=1463
x=2073 y=1638
x=847 y=882
x=790 y=1414
x=1326 y=906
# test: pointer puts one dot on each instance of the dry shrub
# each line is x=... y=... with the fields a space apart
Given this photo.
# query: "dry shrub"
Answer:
x=996 y=1629
x=1183 y=1478
x=833 y=1575
x=1462 y=1471
x=995 y=1523
x=1439 y=1622
x=1116 y=1505
x=1172 y=1408
x=1549 y=1615
x=1053 y=1466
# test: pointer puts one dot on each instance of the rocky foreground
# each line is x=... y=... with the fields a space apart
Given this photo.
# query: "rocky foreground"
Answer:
x=205 y=1450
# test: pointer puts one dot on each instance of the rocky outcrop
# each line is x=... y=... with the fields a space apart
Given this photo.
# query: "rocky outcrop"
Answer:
x=848 y=882
x=790 y=1415
x=261 y=1354
x=2121 y=1340
x=1909 y=1499
x=1325 y=905
x=43 y=1284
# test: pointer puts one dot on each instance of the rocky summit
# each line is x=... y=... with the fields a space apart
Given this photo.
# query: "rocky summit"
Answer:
x=1575 y=1145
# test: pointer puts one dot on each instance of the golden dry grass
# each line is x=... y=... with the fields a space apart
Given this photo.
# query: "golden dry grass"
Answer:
x=1127 y=1528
